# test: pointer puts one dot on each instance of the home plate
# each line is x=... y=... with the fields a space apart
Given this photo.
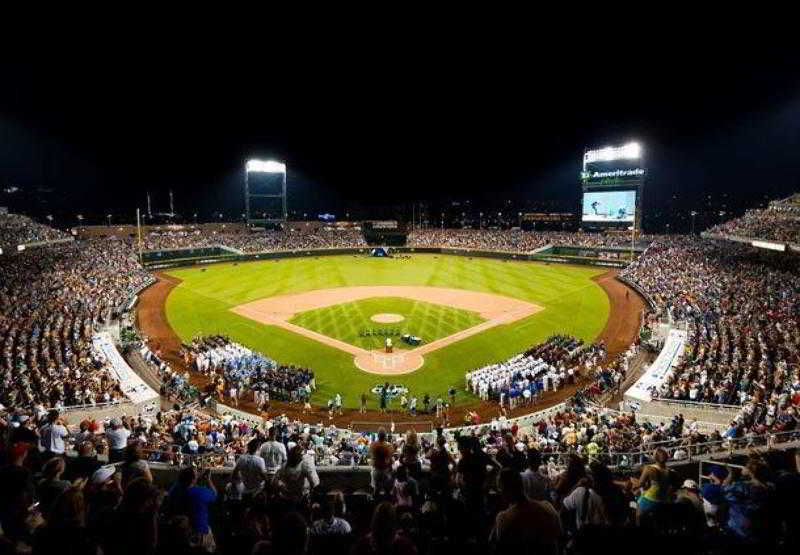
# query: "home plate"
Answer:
x=389 y=364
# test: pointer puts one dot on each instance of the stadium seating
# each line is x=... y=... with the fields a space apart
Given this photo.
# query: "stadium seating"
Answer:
x=739 y=306
x=779 y=222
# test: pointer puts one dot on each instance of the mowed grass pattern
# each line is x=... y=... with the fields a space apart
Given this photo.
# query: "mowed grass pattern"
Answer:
x=347 y=321
x=572 y=302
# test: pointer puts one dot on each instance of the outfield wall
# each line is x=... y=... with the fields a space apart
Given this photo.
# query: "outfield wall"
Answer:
x=189 y=260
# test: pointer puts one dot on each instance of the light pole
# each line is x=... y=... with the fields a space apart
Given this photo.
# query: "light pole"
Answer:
x=519 y=220
x=480 y=221
x=442 y=221
x=109 y=219
x=694 y=214
x=721 y=215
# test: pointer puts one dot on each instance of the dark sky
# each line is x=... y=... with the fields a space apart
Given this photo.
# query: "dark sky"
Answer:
x=367 y=128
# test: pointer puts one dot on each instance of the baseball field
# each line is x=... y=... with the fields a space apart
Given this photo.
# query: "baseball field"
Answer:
x=333 y=314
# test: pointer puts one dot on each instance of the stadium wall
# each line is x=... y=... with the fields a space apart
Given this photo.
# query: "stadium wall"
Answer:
x=176 y=261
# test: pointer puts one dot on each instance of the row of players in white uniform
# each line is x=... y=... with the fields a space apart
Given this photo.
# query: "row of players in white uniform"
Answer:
x=522 y=378
x=536 y=377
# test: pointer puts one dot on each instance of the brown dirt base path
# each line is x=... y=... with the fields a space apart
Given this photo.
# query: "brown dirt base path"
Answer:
x=619 y=333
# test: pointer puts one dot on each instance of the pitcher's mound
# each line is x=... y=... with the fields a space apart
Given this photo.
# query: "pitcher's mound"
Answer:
x=389 y=364
x=387 y=318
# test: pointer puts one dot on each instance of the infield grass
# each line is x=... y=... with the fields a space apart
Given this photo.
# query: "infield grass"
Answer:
x=349 y=321
x=572 y=302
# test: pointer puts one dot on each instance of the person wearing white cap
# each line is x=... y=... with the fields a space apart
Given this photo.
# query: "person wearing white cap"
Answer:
x=690 y=495
x=103 y=474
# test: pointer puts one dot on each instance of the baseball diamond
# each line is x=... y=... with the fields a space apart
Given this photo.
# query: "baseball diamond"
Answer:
x=479 y=311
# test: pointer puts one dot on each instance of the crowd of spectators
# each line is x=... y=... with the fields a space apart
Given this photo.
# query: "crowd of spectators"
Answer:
x=740 y=305
x=512 y=240
x=16 y=229
x=497 y=489
x=780 y=222
x=515 y=240
x=256 y=241
x=769 y=224
x=51 y=300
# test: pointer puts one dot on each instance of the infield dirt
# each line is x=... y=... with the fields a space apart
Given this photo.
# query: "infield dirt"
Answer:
x=495 y=309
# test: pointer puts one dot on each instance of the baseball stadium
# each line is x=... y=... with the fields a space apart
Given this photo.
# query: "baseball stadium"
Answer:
x=585 y=362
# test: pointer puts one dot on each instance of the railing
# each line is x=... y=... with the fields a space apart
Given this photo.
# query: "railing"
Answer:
x=697 y=404
x=645 y=296
x=73 y=408
x=689 y=451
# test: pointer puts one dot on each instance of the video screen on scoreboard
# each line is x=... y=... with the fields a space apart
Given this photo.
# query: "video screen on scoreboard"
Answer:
x=609 y=206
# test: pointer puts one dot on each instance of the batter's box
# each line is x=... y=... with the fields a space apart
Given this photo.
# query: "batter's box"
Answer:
x=377 y=362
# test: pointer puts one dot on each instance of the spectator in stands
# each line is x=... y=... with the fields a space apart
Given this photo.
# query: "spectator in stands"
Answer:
x=383 y=536
x=133 y=527
x=192 y=496
x=274 y=454
x=656 y=485
x=298 y=477
x=568 y=480
x=525 y=526
x=117 y=438
x=329 y=524
x=381 y=452
x=291 y=535
x=537 y=486
x=471 y=478
x=66 y=530
x=750 y=501
x=86 y=463
x=252 y=469
x=51 y=485
x=53 y=435
x=134 y=466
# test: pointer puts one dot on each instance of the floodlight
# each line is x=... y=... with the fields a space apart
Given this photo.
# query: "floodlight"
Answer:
x=609 y=153
x=265 y=166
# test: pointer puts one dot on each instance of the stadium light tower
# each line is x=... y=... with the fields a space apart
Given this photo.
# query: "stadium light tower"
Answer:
x=264 y=167
x=630 y=151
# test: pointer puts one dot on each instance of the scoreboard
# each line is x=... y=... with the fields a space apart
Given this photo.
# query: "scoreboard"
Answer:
x=612 y=180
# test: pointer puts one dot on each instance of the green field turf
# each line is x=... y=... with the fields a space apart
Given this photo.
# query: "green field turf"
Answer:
x=348 y=321
x=573 y=304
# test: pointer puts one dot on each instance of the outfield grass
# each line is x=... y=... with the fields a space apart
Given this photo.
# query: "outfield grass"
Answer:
x=573 y=304
x=348 y=321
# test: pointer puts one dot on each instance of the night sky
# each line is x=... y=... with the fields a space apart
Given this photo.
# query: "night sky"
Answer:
x=368 y=132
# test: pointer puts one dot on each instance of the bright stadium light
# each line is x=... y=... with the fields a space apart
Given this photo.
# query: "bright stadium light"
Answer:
x=265 y=166
x=628 y=152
